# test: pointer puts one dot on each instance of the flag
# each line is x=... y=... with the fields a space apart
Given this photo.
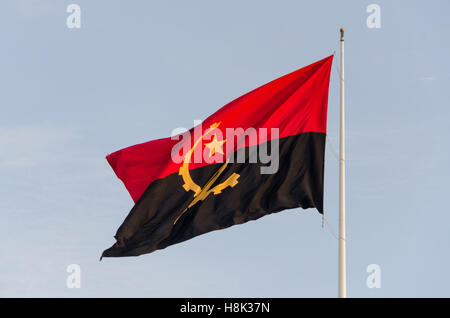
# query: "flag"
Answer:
x=259 y=154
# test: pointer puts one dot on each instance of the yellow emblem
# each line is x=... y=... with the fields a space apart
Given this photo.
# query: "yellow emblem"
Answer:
x=202 y=193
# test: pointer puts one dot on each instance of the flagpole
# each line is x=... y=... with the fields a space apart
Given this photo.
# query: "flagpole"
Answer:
x=342 y=252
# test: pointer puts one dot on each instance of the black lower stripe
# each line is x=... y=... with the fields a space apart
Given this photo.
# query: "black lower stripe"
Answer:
x=298 y=182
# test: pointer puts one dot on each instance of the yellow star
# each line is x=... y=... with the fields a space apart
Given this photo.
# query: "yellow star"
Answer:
x=215 y=146
x=215 y=125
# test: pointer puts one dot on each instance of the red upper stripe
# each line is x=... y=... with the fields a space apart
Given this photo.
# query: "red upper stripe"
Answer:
x=294 y=103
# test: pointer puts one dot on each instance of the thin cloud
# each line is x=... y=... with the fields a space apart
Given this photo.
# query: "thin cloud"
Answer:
x=31 y=145
x=426 y=78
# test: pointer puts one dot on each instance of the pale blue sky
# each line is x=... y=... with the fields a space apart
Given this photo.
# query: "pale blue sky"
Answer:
x=137 y=70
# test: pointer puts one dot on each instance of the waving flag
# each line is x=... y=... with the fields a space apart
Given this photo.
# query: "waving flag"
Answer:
x=259 y=154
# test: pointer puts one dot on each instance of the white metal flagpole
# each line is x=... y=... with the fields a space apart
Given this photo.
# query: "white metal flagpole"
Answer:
x=342 y=253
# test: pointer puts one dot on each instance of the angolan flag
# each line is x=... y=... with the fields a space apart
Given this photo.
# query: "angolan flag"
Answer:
x=259 y=154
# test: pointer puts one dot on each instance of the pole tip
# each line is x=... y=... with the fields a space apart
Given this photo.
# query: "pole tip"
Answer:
x=342 y=34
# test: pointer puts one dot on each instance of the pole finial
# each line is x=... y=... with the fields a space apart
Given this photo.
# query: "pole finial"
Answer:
x=342 y=34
